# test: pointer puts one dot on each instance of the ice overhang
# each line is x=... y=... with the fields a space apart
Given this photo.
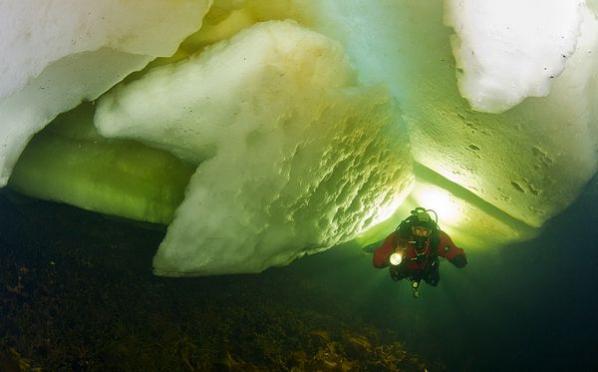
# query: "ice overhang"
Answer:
x=493 y=176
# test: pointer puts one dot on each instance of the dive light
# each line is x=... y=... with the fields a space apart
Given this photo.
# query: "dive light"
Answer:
x=396 y=258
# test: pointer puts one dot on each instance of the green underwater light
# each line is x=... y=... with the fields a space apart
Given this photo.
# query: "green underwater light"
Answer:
x=71 y=163
x=441 y=200
x=294 y=136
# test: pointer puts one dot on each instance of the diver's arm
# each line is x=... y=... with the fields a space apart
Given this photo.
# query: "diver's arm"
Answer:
x=448 y=250
x=382 y=253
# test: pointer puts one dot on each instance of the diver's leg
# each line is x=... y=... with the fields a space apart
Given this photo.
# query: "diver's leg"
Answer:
x=432 y=277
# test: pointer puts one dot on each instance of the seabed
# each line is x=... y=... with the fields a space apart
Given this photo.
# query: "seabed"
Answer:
x=78 y=294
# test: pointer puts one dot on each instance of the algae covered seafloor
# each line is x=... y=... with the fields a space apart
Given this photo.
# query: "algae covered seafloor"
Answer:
x=77 y=293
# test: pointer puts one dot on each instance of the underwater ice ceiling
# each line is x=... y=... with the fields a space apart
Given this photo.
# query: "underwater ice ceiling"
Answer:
x=271 y=129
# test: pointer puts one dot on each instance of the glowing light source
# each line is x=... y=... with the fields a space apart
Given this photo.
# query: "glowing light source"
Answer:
x=396 y=259
x=440 y=201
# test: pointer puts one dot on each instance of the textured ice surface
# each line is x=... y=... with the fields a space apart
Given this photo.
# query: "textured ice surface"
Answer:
x=57 y=53
x=530 y=162
x=293 y=156
x=264 y=191
x=511 y=49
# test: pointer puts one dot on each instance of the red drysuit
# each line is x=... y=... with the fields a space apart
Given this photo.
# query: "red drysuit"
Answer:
x=419 y=263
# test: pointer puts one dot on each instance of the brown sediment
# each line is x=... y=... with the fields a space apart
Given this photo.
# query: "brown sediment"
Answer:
x=77 y=293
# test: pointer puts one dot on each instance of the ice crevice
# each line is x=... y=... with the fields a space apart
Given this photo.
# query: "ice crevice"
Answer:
x=61 y=53
x=283 y=138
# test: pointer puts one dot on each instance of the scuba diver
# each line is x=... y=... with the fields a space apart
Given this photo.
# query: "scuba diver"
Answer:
x=412 y=251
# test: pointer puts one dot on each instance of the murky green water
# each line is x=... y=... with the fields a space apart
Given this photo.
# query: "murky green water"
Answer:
x=78 y=294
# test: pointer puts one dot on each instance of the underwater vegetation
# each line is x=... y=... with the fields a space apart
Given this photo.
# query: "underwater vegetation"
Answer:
x=78 y=304
x=210 y=138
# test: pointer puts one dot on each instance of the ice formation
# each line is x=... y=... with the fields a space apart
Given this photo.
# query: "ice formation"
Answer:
x=57 y=53
x=293 y=157
x=499 y=99
x=511 y=49
x=529 y=162
x=70 y=162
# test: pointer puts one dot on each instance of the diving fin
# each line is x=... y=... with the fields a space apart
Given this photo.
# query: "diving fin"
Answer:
x=415 y=288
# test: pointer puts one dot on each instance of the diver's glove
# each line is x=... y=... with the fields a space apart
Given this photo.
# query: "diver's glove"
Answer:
x=459 y=261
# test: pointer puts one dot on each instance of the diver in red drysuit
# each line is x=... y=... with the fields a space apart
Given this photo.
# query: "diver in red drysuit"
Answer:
x=413 y=249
